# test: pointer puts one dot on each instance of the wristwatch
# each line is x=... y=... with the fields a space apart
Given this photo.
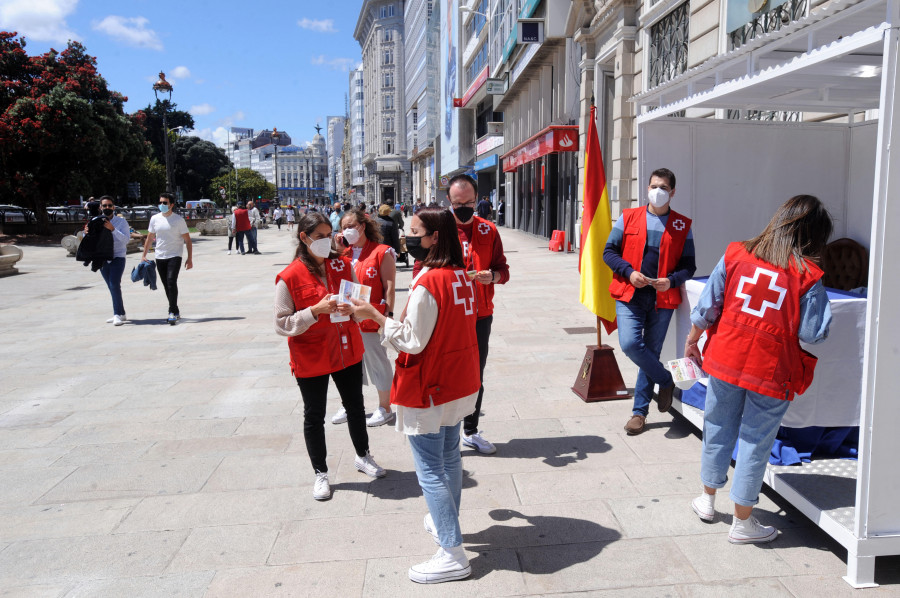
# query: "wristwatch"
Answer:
x=390 y=314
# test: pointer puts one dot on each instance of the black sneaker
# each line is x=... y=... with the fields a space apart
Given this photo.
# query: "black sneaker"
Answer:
x=172 y=319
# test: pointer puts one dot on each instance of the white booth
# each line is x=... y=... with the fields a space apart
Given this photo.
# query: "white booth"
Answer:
x=733 y=174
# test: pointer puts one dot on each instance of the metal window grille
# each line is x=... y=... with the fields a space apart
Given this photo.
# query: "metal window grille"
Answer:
x=769 y=21
x=669 y=46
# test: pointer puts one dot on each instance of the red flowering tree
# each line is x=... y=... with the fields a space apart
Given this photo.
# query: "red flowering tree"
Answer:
x=63 y=132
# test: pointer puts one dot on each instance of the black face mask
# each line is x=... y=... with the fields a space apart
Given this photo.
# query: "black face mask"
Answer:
x=108 y=212
x=415 y=249
x=463 y=213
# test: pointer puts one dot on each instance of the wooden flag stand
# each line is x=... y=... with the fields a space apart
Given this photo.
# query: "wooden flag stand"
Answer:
x=599 y=378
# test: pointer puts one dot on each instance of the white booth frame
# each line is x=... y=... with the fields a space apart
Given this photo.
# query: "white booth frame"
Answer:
x=840 y=59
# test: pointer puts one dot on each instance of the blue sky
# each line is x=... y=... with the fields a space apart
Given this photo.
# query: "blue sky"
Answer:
x=262 y=64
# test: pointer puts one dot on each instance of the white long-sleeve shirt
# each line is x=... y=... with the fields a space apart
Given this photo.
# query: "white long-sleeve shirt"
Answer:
x=121 y=234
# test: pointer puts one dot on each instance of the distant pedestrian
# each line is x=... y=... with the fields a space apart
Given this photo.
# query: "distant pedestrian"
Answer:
x=484 y=208
x=229 y=218
x=501 y=212
x=305 y=298
x=335 y=217
x=389 y=232
x=171 y=234
x=253 y=215
x=276 y=214
x=241 y=223
x=113 y=269
x=289 y=216
x=397 y=216
x=436 y=381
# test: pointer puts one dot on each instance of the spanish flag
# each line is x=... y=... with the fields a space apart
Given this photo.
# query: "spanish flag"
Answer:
x=596 y=224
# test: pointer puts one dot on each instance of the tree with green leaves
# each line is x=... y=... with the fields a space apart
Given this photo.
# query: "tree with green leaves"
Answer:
x=153 y=125
x=250 y=185
x=63 y=132
x=196 y=163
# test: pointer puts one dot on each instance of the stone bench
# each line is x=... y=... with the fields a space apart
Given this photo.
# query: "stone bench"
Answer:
x=9 y=255
x=71 y=242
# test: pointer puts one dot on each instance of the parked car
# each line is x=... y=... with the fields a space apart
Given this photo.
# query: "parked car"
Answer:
x=140 y=212
x=16 y=214
x=66 y=214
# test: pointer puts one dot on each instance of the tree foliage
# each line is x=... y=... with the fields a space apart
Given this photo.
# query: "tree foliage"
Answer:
x=196 y=163
x=152 y=177
x=250 y=185
x=153 y=121
x=63 y=132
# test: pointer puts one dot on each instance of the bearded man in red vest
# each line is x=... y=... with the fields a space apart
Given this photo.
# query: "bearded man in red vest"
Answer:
x=651 y=253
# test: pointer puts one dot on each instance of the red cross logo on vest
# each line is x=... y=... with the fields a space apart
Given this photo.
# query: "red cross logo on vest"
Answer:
x=463 y=293
x=465 y=246
x=484 y=228
x=371 y=272
x=759 y=295
x=679 y=224
x=337 y=265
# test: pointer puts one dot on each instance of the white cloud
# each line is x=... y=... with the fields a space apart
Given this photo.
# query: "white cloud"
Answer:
x=322 y=26
x=130 y=30
x=202 y=109
x=335 y=64
x=219 y=135
x=39 y=20
x=229 y=120
x=180 y=72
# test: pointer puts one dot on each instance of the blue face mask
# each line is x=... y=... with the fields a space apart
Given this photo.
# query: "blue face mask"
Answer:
x=163 y=207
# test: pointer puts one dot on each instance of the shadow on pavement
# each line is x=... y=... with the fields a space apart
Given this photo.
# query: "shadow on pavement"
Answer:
x=159 y=321
x=555 y=452
x=548 y=544
x=396 y=485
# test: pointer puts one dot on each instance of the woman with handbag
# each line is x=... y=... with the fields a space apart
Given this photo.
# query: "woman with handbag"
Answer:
x=436 y=380
x=305 y=299
x=763 y=298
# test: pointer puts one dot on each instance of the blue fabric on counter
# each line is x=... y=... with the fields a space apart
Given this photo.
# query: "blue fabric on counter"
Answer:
x=796 y=445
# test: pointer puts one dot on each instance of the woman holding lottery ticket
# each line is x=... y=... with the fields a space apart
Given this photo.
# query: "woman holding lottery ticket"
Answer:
x=320 y=347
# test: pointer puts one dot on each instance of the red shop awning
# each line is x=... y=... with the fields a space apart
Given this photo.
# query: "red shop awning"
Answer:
x=556 y=138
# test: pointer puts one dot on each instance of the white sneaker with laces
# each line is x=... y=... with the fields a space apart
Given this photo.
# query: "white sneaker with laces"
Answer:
x=368 y=466
x=380 y=417
x=118 y=321
x=479 y=443
x=751 y=531
x=704 y=506
x=322 y=489
x=447 y=564
x=339 y=417
x=228 y=252
x=431 y=529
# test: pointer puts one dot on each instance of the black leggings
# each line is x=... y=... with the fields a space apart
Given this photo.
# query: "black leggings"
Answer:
x=168 y=275
x=315 y=393
x=483 y=333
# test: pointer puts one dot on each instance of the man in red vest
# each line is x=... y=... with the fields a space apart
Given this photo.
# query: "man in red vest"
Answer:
x=483 y=254
x=651 y=253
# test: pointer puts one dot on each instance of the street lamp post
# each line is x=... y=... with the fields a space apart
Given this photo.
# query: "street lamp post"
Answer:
x=275 y=137
x=164 y=87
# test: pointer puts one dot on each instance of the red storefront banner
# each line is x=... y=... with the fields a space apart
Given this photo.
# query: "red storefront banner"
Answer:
x=475 y=86
x=561 y=138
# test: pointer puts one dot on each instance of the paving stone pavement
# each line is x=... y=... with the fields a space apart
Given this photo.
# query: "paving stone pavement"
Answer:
x=156 y=460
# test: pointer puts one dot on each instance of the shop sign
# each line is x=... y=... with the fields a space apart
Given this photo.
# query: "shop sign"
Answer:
x=495 y=128
x=553 y=139
x=489 y=162
x=496 y=87
x=488 y=143
x=475 y=86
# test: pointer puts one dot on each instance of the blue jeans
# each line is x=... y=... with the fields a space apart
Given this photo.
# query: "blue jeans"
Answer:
x=251 y=240
x=239 y=235
x=642 y=331
x=733 y=414
x=112 y=276
x=439 y=469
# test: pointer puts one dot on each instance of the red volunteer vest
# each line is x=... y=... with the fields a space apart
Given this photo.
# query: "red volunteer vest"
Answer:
x=241 y=220
x=447 y=369
x=754 y=343
x=326 y=346
x=670 y=247
x=368 y=272
x=478 y=253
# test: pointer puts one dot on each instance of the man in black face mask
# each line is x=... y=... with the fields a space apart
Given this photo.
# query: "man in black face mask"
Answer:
x=486 y=266
x=113 y=269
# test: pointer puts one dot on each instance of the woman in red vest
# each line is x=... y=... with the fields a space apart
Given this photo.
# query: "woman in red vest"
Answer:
x=762 y=299
x=436 y=380
x=320 y=348
x=375 y=267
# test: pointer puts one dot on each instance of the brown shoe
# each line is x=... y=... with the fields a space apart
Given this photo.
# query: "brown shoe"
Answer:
x=664 y=398
x=635 y=425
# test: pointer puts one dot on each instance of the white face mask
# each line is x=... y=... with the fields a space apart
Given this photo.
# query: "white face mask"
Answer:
x=658 y=197
x=351 y=235
x=321 y=247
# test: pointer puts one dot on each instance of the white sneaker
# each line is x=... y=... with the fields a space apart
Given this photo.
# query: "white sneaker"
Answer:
x=118 y=321
x=704 y=506
x=751 y=531
x=340 y=417
x=367 y=465
x=228 y=252
x=479 y=443
x=380 y=417
x=111 y=320
x=431 y=529
x=322 y=489
x=447 y=564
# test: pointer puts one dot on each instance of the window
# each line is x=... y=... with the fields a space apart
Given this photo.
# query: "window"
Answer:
x=669 y=46
x=388 y=146
x=388 y=57
x=387 y=124
x=389 y=79
x=388 y=102
x=387 y=11
x=477 y=65
x=387 y=35
x=767 y=22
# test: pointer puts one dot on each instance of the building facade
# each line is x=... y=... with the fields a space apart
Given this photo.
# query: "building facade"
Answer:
x=379 y=32
x=334 y=184
x=422 y=94
x=357 y=187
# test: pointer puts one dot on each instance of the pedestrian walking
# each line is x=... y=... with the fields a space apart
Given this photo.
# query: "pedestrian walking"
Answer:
x=753 y=354
x=289 y=216
x=436 y=384
x=305 y=299
x=241 y=223
x=390 y=233
x=651 y=253
x=171 y=234
x=276 y=214
x=483 y=254
x=484 y=208
x=230 y=223
x=375 y=267
x=112 y=270
x=253 y=215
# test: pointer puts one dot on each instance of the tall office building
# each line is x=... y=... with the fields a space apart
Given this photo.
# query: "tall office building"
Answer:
x=357 y=181
x=334 y=185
